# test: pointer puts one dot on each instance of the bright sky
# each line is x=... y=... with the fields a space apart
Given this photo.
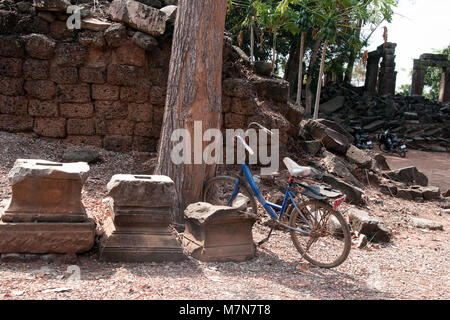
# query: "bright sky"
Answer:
x=418 y=27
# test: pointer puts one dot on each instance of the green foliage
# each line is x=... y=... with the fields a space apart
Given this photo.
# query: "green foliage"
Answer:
x=433 y=78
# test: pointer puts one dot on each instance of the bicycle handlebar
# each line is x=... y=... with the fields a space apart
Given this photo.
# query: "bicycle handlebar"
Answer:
x=260 y=126
x=246 y=146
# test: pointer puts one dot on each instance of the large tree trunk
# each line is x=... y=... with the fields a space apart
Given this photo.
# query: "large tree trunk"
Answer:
x=319 y=82
x=194 y=92
x=310 y=75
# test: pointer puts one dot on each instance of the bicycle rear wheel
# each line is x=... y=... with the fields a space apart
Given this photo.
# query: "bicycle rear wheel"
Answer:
x=219 y=190
x=329 y=241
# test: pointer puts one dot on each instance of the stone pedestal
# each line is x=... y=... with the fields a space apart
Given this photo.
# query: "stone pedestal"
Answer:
x=142 y=213
x=218 y=233
x=45 y=213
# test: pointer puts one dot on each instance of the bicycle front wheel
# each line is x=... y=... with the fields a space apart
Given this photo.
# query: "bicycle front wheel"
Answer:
x=219 y=190
x=328 y=242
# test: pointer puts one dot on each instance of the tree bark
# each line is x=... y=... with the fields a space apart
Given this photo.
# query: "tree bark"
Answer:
x=310 y=75
x=319 y=82
x=352 y=59
x=194 y=93
x=300 y=69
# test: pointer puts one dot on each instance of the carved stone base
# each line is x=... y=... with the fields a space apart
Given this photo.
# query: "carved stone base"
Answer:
x=220 y=234
x=46 y=237
x=140 y=244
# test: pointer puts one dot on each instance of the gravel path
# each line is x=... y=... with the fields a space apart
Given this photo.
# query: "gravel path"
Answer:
x=413 y=266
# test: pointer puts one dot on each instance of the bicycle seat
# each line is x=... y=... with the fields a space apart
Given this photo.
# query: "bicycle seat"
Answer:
x=296 y=170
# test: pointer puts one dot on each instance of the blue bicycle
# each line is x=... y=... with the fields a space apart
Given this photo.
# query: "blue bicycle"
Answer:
x=319 y=232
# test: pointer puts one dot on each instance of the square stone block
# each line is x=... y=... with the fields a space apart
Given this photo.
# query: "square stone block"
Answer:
x=218 y=233
x=139 y=230
x=44 y=191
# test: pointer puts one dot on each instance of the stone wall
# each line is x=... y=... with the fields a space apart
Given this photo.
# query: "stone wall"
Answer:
x=104 y=85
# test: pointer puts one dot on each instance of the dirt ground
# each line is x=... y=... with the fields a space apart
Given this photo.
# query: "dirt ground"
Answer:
x=415 y=265
x=435 y=165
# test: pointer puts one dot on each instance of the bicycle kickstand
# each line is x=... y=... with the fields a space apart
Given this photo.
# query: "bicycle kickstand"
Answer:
x=259 y=244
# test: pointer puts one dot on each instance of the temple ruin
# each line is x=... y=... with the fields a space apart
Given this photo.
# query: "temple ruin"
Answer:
x=418 y=77
x=381 y=78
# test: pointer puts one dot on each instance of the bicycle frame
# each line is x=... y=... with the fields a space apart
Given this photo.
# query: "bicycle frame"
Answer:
x=268 y=206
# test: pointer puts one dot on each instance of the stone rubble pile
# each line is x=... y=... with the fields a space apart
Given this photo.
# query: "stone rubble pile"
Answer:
x=425 y=124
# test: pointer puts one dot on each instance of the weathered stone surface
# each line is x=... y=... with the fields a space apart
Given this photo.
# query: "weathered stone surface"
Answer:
x=93 y=75
x=341 y=168
x=376 y=125
x=119 y=127
x=92 y=39
x=354 y=194
x=88 y=156
x=105 y=92
x=111 y=109
x=152 y=3
x=234 y=121
x=39 y=46
x=80 y=127
x=333 y=105
x=331 y=139
x=431 y=193
x=336 y=127
x=144 y=41
x=64 y=75
x=118 y=143
x=11 y=46
x=125 y=75
x=94 y=24
x=14 y=123
x=133 y=94
x=218 y=233
x=38 y=108
x=141 y=112
x=10 y=67
x=79 y=93
x=244 y=106
x=115 y=34
x=50 y=127
x=425 y=223
x=44 y=191
x=77 y=110
x=41 y=89
x=47 y=237
x=51 y=5
x=373 y=227
x=380 y=162
x=47 y=16
x=34 y=69
x=235 y=87
x=139 y=231
x=11 y=86
x=408 y=175
x=170 y=12
x=263 y=68
x=312 y=147
x=138 y=16
x=59 y=31
x=359 y=157
x=272 y=89
x=13 y=105
x=70 y=54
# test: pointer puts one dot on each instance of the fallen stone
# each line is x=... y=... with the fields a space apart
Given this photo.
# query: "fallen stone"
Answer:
x=337 y=127
x=170 y=12
x=359 y=157
x=39 y=46
x=446 y=194
x=263 y=68
x=354 y=194
x=431 y=193
x=425 y=224
x=218 y=233
x=376 y=125
x=115 y=34
x=151 y=3
x=333 y=105
x=144 y=41
x=362 y=241
x=52 y=5
x=94 y=24
x=409 y=175
x=81 y=156
x=380 y=162
x=341 y=168
x=373 y=227
x=312 y=147
x=331 y=139
x=445 y=211
x=138 y=16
